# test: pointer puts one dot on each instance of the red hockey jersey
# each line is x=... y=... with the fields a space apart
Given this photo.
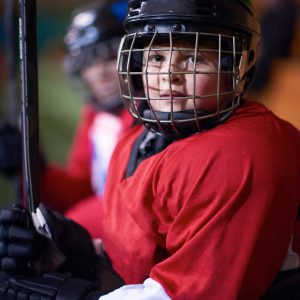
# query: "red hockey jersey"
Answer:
x=211 y=216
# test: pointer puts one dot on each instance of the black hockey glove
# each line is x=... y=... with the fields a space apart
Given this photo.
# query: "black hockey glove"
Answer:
x=50 y=286
x=10 y=149
x=19 y=242
x=69 y=250
x=74 y=242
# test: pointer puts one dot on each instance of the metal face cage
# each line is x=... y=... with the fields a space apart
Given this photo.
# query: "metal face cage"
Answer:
x=134 y=73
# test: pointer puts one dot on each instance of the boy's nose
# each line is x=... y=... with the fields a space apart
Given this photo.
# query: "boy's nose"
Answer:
x=172 y=73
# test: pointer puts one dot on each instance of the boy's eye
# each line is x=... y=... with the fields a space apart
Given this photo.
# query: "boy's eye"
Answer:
x=191 y=59
x=156 y=58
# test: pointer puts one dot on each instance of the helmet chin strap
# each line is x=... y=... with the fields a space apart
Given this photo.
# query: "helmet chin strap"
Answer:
x=169 y=126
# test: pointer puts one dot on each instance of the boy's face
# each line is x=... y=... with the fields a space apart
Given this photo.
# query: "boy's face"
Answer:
x=171 y=76
x=101 y=79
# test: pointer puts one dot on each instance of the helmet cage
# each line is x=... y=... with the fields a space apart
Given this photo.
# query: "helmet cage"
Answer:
x=133 y=74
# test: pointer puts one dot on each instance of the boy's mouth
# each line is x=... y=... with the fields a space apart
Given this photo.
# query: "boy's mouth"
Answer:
x=169 y=96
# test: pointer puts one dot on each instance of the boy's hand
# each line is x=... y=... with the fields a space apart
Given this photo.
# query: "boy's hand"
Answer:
x=72 y=242
x=19 y=242
x=22 y=248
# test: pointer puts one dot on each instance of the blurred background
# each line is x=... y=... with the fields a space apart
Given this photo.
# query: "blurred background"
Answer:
x=59 y=102
x=277 y=78
x=277 y=84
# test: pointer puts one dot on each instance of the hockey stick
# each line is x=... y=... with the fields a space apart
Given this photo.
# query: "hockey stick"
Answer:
x=11 y=55
x=30 y=113
x=10 y=30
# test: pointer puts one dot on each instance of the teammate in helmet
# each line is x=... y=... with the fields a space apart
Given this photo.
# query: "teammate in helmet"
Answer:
x=92 y=41
x=196 y=204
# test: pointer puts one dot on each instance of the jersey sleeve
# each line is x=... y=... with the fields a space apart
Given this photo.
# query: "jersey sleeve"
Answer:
x=87 y=214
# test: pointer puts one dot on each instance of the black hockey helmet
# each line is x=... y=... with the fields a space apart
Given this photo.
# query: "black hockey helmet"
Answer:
x=94 y=32
x=230 y=25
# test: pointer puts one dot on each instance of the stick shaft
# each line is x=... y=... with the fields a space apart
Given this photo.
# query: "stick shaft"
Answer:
x=30 y=110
